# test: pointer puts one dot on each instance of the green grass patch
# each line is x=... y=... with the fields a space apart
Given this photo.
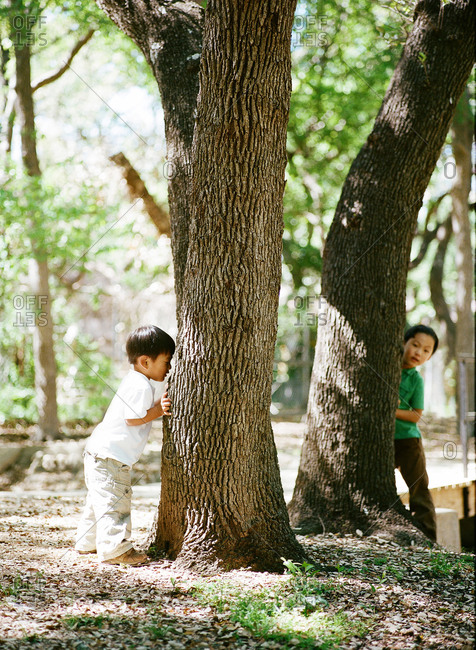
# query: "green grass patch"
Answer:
x=21 y=584
x=294 y=613
x=158 y=631
x=75 y=622
x=449 y=565
x=386 y=565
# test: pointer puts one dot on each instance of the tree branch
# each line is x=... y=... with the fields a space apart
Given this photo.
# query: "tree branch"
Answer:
x=138 y=190
x=427 y=235
x=169 y=34
x=48 y=80
x=442 y=311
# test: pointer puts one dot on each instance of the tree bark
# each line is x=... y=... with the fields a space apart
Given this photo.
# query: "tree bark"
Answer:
x=346 y=475
x=222 y=504
x=43 y=346
x=25 y=110
x=169 y=34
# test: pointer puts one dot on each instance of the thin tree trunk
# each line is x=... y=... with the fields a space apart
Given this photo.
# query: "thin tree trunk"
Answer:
x=461 y=141
x=346 y=475
x=25 y=109
x=43 y=349
x=44 y=356
x=427 y=236
x=462 y=134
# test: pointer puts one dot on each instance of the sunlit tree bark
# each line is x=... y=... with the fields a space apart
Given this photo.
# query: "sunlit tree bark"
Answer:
x=346 y=474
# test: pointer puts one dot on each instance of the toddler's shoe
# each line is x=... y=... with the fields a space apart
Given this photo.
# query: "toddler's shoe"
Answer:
x=131 y=557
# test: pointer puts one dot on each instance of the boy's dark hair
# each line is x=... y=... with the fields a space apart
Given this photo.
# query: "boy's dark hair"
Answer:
x=149 y=340
x=421 y=329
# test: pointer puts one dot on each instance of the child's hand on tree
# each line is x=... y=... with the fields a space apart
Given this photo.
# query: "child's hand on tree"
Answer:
x=165 y=403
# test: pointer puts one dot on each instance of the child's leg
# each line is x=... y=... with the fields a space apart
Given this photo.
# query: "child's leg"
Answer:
x=86 y=533
x=410 y=460
x=109 y=484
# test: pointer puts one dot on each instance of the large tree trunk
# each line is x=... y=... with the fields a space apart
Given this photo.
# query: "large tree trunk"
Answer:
x=346 y=475
x=169 y=34
x=222 y=503
x=44 y=356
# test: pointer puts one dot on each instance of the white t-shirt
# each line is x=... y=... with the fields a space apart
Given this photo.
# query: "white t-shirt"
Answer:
x=113 y=438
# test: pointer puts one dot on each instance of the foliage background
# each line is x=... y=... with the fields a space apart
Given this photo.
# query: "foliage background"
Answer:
x=110 y=272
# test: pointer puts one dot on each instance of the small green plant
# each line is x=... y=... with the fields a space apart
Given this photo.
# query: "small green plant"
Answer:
x=15 y=588
x=345 y=570
x=306 y=589
x=21 y=584
x=157 y=631
x=388 y=570
x=396 y=572
x=423 y=58
x=444 y=564
x=378 y=561
x=290 y=613
x=154 y=552
x=75 y=622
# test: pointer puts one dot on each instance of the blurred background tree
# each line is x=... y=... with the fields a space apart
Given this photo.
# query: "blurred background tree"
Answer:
x=109 y=270
x=344 y=56
x=71 y=210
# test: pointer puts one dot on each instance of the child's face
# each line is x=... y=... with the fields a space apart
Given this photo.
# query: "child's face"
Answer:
x=417 y=350
x=157 y=368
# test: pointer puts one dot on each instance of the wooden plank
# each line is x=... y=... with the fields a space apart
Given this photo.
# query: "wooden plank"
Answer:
x=452 y=497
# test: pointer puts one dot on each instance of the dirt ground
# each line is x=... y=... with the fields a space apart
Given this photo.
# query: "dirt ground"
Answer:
x=399 y=595
x=50 y=597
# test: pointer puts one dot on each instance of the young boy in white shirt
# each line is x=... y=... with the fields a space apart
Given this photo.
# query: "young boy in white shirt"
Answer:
x=117 y=443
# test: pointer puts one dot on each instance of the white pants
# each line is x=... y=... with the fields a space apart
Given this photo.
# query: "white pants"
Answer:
x=105 y=525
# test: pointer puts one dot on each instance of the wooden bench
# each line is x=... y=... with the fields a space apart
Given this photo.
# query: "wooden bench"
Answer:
x=461 y=498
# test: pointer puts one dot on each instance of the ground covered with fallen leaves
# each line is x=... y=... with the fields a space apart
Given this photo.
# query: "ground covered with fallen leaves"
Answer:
x=373 y=593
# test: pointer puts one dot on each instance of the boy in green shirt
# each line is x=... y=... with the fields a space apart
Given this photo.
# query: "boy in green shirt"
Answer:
x=420 y=343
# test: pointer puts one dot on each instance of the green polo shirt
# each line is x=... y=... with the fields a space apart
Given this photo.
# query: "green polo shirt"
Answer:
x=411 y=396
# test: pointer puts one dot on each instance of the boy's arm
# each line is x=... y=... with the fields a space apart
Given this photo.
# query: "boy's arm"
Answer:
x=161 y=407
x=412 y=415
